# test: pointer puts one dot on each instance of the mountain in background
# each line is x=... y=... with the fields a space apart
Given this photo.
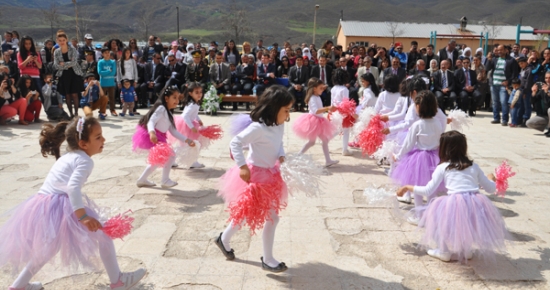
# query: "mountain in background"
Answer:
x=277 y=20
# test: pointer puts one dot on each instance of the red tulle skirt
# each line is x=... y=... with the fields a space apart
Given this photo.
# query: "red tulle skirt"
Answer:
x=311 y=127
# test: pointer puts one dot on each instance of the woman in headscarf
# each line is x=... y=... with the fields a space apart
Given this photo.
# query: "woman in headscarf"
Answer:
x=305 y=52
x=467 y=53
x=188 y=58
x=479 y=51
x=434 y=66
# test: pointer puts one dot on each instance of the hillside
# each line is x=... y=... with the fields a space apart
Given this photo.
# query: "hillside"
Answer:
x=278 y=20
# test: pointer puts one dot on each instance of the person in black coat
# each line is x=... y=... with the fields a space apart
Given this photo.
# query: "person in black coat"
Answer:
x=175 y=72
x=298 y=77
x=197 y=71
x=153 y=77
x=444 y=86
x=266 y=74
x=151 y=48
x=449 y=52
x=466 y=88
x=324 y=73
x=396 y=69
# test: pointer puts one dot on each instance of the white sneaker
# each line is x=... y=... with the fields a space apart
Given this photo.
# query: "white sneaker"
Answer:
x=145 y=183
x=30 y=286
x=413 y=220
x=168 y=184
x=197 y=165
x=129 y=280
x=346 y=153
x=406 y=198
x=331 y=162
x=445 y=257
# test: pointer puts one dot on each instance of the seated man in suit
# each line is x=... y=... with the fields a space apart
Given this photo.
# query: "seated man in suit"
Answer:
x=298 y=76
x=220 y=76
x=444 y=86
x=175 y=72
x=466 y=84
x=197 y=71
x=266 y=74
x=366 y=68
x=153 y=77
x=396 y=69
x=323 y=71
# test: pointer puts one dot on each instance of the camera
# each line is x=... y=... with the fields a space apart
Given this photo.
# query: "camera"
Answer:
x=539 y=85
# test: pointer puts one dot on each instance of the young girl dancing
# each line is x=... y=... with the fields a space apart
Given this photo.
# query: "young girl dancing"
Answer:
x=152 y=128
x=313 y=125
x=370 y=93
x=387 y=99
x=60 y=218
x=464 y=220
x=418 y=158
x=339 y=93
x=254 y=190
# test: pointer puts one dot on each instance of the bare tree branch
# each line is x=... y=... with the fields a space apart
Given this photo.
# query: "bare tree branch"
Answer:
x=394 y=29
x=85 y=19
x=492 y=28
x=145 y=18
x=51 y=16
x=235 y=22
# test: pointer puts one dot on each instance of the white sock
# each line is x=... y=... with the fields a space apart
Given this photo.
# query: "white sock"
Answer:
x=23 y=279
x=345 y=139
x=268 y=237
x=326 y=151
x=108 y=257
x=227 y=234
x=308 y=145
x=147 y=172
x=166 y=169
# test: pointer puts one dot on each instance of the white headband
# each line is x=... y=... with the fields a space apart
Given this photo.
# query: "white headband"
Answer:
x=80 y=127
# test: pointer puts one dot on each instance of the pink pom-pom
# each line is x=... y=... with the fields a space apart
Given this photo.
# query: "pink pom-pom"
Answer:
x=160 y=154
x=502 y=173
x=118 y=226
x=372 y=137
x=213 y=132
x=347 y=109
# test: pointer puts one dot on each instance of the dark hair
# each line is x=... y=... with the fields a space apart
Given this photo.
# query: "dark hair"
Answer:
x=219 y=53
x=270 y=103
x=391 y=83
x=340 y=77
x=23 y=88
x=414 y=42
x=327 y=42
x=373 y=86
x=119 y=44
x=516 y=81
x=287 y=61
x=234 y=50
x=122 y=59
x=61 y=33
x=417 y=84
x=431 y=45
x=23 y=51
x=404 y=88
x=166 y=92
x=311 y=84
x=427 y=103
x=51 y=137
x=453 y=148
x=187 y=93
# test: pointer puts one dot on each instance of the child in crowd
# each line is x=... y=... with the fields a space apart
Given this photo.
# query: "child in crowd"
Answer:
x=339 y=93
x=515 y=95
x=314 y=125
x=93 y=98
x=258 y=176
x=106 y=68
x=152 y=128
x=60 y=218
x=28 y=90
x=464 y=220
x=128 y=97
x=53 y=102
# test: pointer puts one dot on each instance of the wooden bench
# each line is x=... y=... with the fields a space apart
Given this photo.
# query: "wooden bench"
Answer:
x=240 y=99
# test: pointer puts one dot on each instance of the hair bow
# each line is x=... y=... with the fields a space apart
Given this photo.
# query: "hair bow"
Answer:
x=80 y=127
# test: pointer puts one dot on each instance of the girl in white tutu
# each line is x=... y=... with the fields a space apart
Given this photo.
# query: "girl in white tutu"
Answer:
x=465 y=220
x=314 y=125
x=59 y=218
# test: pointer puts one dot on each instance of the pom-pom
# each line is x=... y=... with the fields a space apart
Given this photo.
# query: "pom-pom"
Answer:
x=118 y=226
x=502 y=173
x=363 y=121
x=336 y=119
x=386 y=151
x=237 y=123
x=380 y=195
x=372 y=137
x=160 y=154
x=346 y=107
x=187 y=155
x=301 y=173
x=212 y=132
x=459 y=119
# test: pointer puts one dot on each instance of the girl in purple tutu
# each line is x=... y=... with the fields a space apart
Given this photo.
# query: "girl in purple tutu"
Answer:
x=313 y=125
x=418 y=157
x=465 y=220
x=152 y=128
x=60 y=219
x=254 y=190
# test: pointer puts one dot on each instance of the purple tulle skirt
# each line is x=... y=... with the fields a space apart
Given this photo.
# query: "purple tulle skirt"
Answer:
x=45 y=225
x=311 y=127
x=238 y=122
x=141 y=140
x=415 y=168
x=462 y=223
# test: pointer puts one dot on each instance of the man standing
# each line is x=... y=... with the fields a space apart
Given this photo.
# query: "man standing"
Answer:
x=505 y=68
x=197 y=71
x=397 y=52
x=427 y=58
x=89 y=65
x=153 y=46
x=298 y=76
x=88 y=46
x=466 y=82
x=396 y=69
x=153 y=77
x=444 y=86
x=266 y=74
x=413 y=55
x=260 y=46
x=324 y=73
x=449 y=52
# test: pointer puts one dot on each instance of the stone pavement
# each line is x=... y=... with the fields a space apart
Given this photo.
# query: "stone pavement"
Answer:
x=336 y=241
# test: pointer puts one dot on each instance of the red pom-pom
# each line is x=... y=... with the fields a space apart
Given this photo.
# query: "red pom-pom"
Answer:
x=118 y=226
x=371 y=138
x=213 y=132
x=347 y=109
x=160 y=154
x=502 y=173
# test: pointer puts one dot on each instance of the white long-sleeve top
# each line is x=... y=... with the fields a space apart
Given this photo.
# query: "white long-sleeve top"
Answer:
x=266 y=145
x=386 y=102
x=457 y=181
x=368 y=99
x=160 y=121
x=315 y=103
x=191 y=113
x=424 y=133
x=68 y=175
x=338 y=94
x=412 y=116
x=400 y=110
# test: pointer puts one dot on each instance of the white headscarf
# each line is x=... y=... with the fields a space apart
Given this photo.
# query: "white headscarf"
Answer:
x=482 y=56
x=188 y=57
x=467 y=49
x=305 y=52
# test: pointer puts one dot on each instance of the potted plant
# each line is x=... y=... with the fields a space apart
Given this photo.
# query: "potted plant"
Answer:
x=211 y=101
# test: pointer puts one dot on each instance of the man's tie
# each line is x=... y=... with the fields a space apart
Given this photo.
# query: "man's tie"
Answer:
x=219 y=72
x=323 y=74
x=299 y=73
x=265 y=68
x=444 y=79
x=466 y=73
x=368 y=70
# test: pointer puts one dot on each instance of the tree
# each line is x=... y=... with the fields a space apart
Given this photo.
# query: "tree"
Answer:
x=394 y=29
x=51 y=16
x=492 y=28
x=85 y=19
x=145 y=19
x=235 y=21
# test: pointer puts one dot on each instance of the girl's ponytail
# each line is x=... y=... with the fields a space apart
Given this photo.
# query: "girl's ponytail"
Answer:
x=51 y=139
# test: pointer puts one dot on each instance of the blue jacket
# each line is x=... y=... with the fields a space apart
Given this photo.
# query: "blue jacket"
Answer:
x=401 y=55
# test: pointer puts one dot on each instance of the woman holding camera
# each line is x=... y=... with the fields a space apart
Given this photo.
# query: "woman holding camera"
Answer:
x=29 y=61
x=28 y=90
x=10 y=102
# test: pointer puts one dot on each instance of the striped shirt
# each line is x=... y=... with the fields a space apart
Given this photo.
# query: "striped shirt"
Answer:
x=498 y=74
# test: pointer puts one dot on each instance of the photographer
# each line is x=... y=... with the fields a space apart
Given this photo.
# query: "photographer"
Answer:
x=53 y=102
x=29 y=61
x=28 y=90
x=93 y=98
x=10 y=102
x=541 y=100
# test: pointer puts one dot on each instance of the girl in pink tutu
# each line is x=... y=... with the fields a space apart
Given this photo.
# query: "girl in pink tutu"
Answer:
x=60 y=218
x=152 y=128
x=465 y=220
x=254 y=190
x=418 y=157
x=313 y=125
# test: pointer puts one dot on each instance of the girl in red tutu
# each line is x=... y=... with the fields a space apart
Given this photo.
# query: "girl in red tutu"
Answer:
x=152 y=128
x=254 y=190
x=313 y=125
x=465 y=220
x=60 y=219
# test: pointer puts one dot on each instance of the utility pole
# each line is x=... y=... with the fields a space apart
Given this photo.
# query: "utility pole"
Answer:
x=178 y=20
x=315 y=22
x=76 y=21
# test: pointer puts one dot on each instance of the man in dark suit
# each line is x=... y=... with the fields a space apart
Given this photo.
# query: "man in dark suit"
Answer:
x=449 y=52
x=175 y=72
x=153 y=77
x=298 y=76
x=265 y=74
x=396 y=69
x=430 y=55
x=220 y=74
x=324 y=73
x=245 y=73
x=466 y=86
x=197 y=71
x=444 y=86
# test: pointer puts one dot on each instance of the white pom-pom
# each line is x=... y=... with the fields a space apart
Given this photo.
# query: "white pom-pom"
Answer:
x=186 y=155
x=363 y=121
x=204 y=142
x=301 y=173
x=337 y=119
x=459 y=119
x=387 y=150
x=380 y=195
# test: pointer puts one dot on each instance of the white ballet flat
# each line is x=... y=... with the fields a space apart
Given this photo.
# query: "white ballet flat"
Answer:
x=445 y=257
x=145 y=183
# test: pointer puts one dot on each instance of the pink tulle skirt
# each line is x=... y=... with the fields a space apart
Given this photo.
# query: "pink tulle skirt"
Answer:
x=182 y=127
x=141 y=140
x=311 y=127
x=251 y=203
x=45 y=225
x=463 y=222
